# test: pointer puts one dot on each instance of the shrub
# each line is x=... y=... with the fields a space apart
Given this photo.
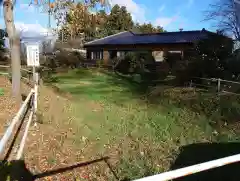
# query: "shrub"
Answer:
x=68 y=59
x=99 y=63
x=141 y=63
x=218 y=108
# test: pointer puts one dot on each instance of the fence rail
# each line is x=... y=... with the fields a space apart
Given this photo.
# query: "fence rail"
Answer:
x=15 y=120
x=220 y=84
x=4 y=66
x=30 y=101
x=192 y=169
x=21 y=147
x=26 y=70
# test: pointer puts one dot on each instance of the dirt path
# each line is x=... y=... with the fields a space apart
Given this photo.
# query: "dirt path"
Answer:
x=51 y=145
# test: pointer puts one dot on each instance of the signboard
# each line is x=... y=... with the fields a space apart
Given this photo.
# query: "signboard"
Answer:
x=33 y=55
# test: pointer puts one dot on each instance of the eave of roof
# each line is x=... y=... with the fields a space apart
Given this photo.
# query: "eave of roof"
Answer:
x=130 y=38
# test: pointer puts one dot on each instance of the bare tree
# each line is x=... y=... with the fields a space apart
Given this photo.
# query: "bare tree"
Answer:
x=225 y=13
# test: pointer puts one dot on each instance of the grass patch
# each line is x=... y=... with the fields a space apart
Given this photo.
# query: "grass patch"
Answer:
x=115 y=117
x=1 y=91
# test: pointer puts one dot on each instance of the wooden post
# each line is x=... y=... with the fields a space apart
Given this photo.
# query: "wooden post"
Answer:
x=191 y=84
x=219 y=85
x=35 y=80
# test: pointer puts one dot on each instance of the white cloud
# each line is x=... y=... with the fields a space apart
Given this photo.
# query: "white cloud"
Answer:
x=36 y=27
x=165 y=21
x=137 y=11
x=27 y=8
x=161 y=8
x=30 y=30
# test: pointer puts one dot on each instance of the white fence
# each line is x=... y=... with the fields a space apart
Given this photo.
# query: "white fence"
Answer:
x=31 y=101
x=15 y=120
x=220 y=84
x=192 y=169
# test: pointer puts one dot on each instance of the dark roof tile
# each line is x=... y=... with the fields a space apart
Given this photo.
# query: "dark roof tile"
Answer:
x=129 y=38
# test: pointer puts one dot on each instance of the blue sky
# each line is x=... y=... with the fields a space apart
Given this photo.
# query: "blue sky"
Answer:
x=171 y=14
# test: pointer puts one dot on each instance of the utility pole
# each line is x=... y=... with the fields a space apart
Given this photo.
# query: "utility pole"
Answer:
x=62 y=35
x=49 y=14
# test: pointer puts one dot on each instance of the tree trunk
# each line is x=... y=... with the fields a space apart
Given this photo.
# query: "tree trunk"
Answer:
x=14 y=42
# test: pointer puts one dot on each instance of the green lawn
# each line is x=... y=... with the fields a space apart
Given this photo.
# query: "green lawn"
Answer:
x=117 y=118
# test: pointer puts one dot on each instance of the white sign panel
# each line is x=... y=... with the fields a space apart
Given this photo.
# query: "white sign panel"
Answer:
x=33 y=55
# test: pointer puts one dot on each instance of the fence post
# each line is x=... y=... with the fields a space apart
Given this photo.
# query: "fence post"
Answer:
x=191 y=84
x=219 y=85
x=35 y=80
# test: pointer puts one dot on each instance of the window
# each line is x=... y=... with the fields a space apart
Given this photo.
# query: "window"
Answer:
x=97 y=55
x=121 y=54
x=92 y=55
x=112 y=54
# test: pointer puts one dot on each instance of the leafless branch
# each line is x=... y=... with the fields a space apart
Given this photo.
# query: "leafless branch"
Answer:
x=224 y=13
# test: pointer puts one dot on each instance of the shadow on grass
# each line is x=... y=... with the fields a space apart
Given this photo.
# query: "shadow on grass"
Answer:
x=199 y=153
x=189 y=155
x=16 y=170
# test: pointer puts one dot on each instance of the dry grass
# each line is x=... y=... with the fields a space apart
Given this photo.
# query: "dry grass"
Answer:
x=51 y=145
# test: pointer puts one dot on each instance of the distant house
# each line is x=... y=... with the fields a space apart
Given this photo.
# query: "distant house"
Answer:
x=159 y=44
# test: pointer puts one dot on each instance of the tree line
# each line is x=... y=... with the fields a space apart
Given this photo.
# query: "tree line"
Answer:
x=81 y=22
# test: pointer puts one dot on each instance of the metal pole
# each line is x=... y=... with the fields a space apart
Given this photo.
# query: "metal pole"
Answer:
x=49 y=14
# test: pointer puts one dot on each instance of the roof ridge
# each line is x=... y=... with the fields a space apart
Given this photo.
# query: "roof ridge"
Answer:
x=106 y=37
x=171 y=32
